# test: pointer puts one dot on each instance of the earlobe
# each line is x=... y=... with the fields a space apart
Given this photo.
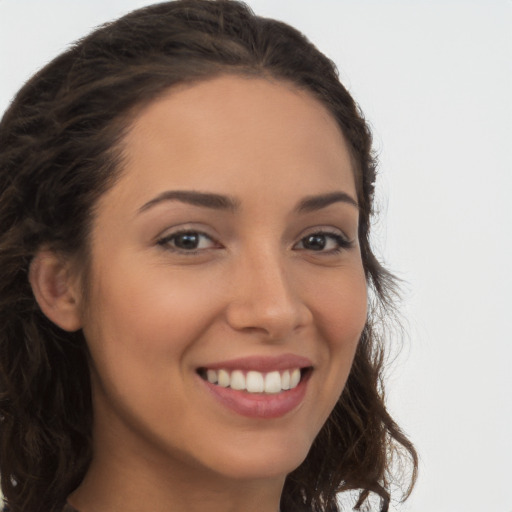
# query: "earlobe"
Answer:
x=55 y=290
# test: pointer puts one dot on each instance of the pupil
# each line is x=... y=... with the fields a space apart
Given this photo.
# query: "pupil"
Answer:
x=187 y=241
x=315 y=242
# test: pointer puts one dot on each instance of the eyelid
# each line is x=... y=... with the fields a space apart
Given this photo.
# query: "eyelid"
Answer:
x=344 y=242
x=164 y=240
x=325 y=230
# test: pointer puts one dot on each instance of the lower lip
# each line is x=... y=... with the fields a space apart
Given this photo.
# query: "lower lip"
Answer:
x=259 y=405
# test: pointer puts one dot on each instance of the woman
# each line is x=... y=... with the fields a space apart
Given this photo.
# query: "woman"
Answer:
x=189 y=301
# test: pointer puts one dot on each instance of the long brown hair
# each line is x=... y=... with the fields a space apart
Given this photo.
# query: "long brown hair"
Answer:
x=59 y=151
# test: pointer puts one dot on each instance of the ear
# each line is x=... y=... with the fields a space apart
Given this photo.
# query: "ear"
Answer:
x=55 y=289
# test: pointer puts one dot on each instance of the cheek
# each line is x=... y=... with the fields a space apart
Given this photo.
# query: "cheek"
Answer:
x=142 y=325
x=140 y=330
x=341 y=313
x=340 y=307
x=156 y=308
x=347 y=317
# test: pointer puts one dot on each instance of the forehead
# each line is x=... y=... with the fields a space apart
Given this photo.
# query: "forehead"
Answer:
x=236 y=132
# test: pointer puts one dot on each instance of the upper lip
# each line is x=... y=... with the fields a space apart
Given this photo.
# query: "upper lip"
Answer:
x=262 y=364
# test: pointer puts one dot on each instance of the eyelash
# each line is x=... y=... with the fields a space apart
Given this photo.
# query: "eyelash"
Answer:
x=342 y=242
x=166 y=241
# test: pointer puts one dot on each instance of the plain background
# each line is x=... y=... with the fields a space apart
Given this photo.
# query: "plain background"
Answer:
x=434 y=80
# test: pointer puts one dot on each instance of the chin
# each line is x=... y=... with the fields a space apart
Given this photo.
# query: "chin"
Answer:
x=262 y=460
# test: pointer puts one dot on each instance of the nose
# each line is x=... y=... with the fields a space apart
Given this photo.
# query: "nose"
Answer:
x=264 y=300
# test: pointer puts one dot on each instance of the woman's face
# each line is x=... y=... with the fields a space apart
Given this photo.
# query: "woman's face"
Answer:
x=225 y=257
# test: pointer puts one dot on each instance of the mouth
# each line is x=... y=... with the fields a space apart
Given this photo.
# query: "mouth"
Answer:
x=252 y=381
x=259 y=387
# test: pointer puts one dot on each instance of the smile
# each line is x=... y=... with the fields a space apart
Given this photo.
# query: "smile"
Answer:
x=254 y=381
x=259 y=387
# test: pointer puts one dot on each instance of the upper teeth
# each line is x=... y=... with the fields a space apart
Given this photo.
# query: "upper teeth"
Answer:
x=255 y=382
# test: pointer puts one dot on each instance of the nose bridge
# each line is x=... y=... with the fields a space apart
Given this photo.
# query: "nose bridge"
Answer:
x=264 y=297
x=267 y=276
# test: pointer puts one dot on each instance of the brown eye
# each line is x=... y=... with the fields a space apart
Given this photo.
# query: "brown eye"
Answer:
x=187 y=241
x=314 y=242
x=324 y=242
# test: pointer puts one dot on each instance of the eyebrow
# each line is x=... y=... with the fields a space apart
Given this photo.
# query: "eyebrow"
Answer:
x=204 y=199
x=314 y=203
x=223 y=202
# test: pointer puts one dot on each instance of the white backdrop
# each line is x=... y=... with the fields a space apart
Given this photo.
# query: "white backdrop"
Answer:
x=434 y=79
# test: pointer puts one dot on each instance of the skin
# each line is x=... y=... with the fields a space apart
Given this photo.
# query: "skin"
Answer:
x=154 y=315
